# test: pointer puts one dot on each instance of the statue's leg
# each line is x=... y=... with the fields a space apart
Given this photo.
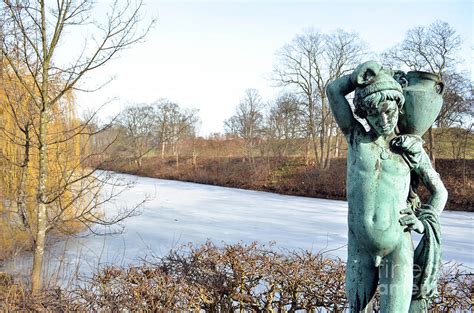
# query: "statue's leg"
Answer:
x=361 y=277
x=396 y=278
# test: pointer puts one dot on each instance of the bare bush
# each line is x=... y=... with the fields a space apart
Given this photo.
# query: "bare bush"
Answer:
x=238 y=277
x=250 y=278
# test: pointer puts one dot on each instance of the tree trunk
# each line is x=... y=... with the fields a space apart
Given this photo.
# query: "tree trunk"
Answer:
x=21 y=197
x=177 y=159
x=315 y=147
x=312 y=131
x=328 y=152
x=36 y=274
x=194 y=154
x=249 y=153
x=432 y=147
x=285 y=148
x=41 y=223
x=322 y=135
x=336 y=148
x=322 y=138
x=163 y=150
x=464 y=180
x=307 y=147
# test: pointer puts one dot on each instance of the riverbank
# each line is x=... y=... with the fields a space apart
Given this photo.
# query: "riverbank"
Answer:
x=290 y=176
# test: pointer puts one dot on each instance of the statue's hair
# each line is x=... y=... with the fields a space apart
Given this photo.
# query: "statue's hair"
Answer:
x=370 y=102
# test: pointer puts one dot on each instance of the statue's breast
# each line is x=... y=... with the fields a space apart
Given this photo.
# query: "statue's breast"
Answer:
x=365 y=158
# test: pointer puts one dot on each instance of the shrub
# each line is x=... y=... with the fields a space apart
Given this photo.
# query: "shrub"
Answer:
x=250 y=278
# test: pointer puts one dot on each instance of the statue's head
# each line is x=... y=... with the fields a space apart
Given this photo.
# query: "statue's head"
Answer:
x=380 y=102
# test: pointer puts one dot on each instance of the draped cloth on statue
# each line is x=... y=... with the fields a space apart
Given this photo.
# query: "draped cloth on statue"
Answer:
x=427 y=255
x=427 y=260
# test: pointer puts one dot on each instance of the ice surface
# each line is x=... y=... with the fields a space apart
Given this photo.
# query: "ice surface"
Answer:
x=181 y=212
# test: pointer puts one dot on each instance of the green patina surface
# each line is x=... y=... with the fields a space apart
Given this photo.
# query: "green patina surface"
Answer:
x=384 y=166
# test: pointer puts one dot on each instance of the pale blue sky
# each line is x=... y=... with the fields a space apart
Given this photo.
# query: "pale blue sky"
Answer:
x=204 y=54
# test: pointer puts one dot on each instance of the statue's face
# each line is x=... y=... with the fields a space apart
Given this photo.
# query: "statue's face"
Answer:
x=383 y=119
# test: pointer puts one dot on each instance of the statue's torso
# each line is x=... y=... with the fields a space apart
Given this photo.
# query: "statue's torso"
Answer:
x=377 y=189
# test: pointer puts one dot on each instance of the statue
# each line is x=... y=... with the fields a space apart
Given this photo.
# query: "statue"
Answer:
x=384 y=167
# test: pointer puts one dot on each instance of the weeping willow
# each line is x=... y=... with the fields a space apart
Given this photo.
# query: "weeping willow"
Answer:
x=19 y=153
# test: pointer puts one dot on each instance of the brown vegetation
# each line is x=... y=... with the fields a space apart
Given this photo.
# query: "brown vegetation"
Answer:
x=248 y=278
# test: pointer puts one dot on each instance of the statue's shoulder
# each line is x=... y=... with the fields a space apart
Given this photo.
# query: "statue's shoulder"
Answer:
x=410 y=147
x=357 y=135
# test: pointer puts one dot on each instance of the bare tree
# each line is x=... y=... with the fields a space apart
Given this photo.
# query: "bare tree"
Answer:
x=172 y=124
x=247 y=121
x=34 y=32
x=434 y=49
x=458 y=107
x=284 y=124
x=160 y=126
x=138 y=122
x=307 y=65
x=430 y=48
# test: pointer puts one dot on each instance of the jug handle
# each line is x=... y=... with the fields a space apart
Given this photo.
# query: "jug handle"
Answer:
x=439 y=87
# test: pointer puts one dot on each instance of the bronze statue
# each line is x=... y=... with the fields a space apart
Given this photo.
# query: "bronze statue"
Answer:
x=384 y=166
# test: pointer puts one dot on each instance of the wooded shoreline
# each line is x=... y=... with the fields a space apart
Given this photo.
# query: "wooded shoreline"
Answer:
x=290 y=176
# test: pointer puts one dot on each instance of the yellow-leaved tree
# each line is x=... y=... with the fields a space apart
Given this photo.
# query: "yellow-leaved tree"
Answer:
x=19 y=151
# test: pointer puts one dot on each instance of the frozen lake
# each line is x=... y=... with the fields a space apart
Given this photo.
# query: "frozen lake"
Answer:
x=180 y=212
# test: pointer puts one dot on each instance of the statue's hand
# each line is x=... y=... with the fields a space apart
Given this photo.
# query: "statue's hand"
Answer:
x=365 y=73
x=411 y=148
x=411 y=222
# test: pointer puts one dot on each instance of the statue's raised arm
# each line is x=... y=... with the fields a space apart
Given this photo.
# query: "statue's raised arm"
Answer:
x=336 y=92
